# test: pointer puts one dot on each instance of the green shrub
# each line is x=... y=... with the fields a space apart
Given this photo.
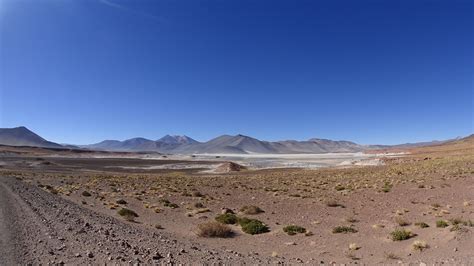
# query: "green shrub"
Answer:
x=228 y=218
x=293 y=229
x=441 y=224
x=400 y=234
x=252 y=226
x=343 y=229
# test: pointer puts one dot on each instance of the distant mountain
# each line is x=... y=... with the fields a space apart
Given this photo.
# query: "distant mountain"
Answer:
x=21 y=136
x=165 y=144
x=176 y=139
x=241 y=144
x=135 y=144
x=229 y=144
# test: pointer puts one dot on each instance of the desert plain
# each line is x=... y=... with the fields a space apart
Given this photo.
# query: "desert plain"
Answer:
x=414 y=206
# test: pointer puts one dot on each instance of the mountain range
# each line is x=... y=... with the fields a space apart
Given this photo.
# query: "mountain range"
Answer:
x=21 y=136
x=176 y=144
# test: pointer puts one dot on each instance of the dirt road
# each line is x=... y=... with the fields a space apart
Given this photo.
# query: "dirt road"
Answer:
x=40 y=227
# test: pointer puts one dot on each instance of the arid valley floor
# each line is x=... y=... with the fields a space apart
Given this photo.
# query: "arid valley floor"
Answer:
x=60 y=207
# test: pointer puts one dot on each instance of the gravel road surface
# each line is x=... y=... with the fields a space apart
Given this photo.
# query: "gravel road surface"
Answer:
x=37 y=227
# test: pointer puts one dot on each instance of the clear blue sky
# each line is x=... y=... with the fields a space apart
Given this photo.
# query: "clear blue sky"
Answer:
x=371 y=71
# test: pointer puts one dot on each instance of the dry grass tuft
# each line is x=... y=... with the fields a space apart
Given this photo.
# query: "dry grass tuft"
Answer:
x=419 y=245
x=251 y=210
x=214 y=229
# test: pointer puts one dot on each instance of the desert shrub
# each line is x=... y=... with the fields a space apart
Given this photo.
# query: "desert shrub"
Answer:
x=339 y=187
x=441 y=224
x=458 y=221
x=86 y=193
x=419 y=245
x=127 y=214
x=343 y=229
x=198 y=205
x=351 y=219
x=387 y=187
x=252 y=226
x=121 y=201
x=391 y=256
x=402 y=222
x=354 y=246
x=458 y=228
x=251 y=210
x=197 y=194
x=400 y=234
x=333 y=203
x=228 y=218
x=214 y=229
x=168 y=204
x=422 y=225
x=293 y=229
x=52 y=189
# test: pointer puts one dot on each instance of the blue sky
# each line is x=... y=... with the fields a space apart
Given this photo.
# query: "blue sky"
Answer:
x=371 y=71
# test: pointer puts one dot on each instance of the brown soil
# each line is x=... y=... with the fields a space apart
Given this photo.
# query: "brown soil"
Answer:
x=430 y=184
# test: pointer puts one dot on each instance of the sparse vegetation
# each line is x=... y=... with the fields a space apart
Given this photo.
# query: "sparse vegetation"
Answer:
x=402 y=222
x=169 y=204
x=422 y=224
x=441 y=224
x=353 y=246
x=197 y=194
x=86 y=193
x=387 y=187
x=253 y=226
x=333 y=203
x=294 y=229
x=227 y=218
x=214 y=229
x=121 y=201
x=343 y=229
x=250 y=210
x=351 y=219
x=391 y=256
x=128 y=214
x=419 y=245
x=401 y=234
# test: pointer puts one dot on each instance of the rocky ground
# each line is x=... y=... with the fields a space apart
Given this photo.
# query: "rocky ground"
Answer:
x=56 y=209
x=38 y=227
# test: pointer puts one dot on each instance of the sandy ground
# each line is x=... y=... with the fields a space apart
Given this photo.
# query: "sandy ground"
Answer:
x=429 y=187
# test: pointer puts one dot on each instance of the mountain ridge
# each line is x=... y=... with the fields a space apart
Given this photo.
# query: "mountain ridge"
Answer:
x=182 y=144
x=22 y=136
